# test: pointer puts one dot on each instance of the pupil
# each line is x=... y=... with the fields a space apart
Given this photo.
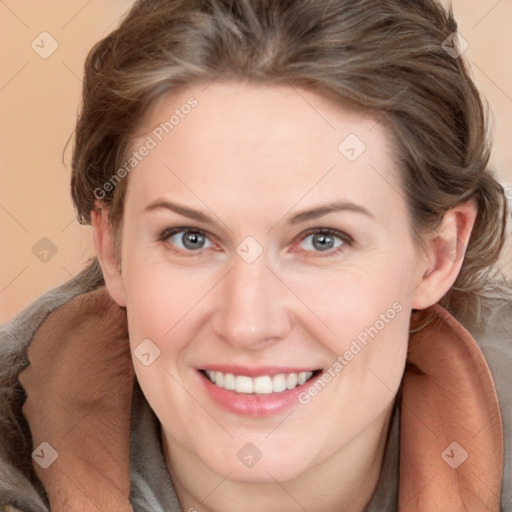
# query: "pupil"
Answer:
x=324 y=241
x=191 y=240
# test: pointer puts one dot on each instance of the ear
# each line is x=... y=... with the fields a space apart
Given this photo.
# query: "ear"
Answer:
x=444 y=255
x=105 y=250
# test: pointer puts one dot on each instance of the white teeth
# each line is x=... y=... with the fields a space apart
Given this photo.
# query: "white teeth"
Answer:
x=243 y=384
x=303 y=377
x=264 y=384
x=229 y=381
x=278 y=383
x=291 y=381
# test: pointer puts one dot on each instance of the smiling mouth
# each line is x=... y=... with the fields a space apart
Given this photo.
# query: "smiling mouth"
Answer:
x=264 y=384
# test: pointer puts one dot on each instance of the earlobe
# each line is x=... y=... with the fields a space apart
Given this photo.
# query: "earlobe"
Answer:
x=444 y=255
x=105 y=250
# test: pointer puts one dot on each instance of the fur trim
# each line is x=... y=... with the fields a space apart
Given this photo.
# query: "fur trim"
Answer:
x=19 y=484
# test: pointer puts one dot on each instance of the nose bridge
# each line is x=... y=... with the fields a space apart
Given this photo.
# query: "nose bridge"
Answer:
x=251 y=306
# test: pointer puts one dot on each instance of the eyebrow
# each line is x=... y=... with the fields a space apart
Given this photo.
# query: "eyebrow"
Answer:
x=313 y=213
x=320 y=211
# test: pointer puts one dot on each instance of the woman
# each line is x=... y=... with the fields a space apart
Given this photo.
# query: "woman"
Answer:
x=295 y=225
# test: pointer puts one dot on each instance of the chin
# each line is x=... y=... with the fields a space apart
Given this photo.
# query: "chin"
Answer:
x=252 y=465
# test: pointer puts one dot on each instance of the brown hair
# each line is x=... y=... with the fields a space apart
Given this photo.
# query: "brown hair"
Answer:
x=386 y=56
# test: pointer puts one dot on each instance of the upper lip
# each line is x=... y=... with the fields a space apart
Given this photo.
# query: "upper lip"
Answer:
x=257 y=371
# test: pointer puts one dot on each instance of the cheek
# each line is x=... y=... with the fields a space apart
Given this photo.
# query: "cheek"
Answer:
x=365 y=315
x=160 y=299
x=359 y=302
x=369 y=351
x=160 y=306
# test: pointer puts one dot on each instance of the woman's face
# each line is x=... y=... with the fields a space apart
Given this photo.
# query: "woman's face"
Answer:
x=265 y=240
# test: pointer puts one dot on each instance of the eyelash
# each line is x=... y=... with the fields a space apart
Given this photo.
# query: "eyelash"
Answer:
x=346 y=239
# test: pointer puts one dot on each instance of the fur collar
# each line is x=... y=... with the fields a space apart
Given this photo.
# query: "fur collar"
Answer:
x=448 y=396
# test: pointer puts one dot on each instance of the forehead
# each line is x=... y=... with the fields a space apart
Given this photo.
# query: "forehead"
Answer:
x=234 y=139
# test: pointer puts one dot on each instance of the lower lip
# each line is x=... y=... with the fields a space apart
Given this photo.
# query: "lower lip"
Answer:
x=253 y=404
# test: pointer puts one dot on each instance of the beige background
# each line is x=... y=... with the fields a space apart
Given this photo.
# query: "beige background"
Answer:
x=38 y=105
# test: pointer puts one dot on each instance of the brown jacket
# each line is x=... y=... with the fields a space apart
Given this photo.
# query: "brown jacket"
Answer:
x=445 y=449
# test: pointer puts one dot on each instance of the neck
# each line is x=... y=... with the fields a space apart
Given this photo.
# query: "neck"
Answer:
x=345 y=481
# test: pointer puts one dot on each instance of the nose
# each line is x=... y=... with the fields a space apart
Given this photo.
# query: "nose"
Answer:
x=251 y=306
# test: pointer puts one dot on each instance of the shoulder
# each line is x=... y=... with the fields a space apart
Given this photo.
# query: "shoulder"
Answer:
x=20 y=485
x=494 y=337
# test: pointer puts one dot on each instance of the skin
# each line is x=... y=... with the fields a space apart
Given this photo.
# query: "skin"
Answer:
x=250 y=157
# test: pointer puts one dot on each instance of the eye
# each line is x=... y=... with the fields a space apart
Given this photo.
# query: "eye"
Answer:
x=319 y=240
x=186 y=239
x=325 y=240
